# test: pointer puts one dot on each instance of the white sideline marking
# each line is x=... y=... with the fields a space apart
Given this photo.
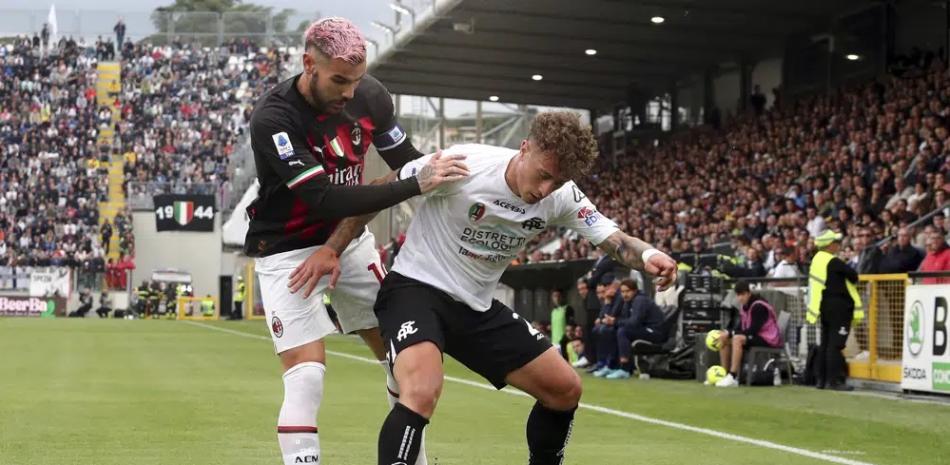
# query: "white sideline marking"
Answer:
x=597 y=408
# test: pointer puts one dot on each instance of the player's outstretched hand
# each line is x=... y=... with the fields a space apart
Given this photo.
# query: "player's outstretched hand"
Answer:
x=320 y=263
x=440 y=170
x=663 y=267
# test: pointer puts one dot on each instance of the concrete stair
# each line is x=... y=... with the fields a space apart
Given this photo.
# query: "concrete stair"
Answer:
x=115 y=204
x=108 y=88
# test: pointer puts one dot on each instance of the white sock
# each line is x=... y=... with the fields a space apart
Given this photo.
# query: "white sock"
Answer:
x=392 y=388
x=392 y=395
x=297 y=423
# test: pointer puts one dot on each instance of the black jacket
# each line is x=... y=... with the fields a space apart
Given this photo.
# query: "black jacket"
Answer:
x=901 y=259
x=870 y=260
x=603 y=266
x=836 y=292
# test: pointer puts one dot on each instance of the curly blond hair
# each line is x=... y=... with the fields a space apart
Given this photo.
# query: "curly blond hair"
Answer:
x=561 y=133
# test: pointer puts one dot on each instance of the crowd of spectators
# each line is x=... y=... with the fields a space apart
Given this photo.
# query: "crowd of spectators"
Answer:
x=50 y=178
x=867 y=161
x=183 y=108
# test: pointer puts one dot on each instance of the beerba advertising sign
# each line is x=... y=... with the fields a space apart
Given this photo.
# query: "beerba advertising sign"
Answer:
x=46 y=307
x=184 y=212
x=926 y=360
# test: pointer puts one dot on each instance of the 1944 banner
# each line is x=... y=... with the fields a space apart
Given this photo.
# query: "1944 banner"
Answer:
x=184 y=212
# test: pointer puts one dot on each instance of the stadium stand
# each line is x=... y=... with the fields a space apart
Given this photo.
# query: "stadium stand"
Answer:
x=79 y=137
x=51 y=176
x=184 y=108
x=868 y=158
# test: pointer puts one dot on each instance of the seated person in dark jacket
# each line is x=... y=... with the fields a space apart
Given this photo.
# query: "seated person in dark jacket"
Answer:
x=640 y=319
x=902 y=256
x=757 y=326
x=604 y=332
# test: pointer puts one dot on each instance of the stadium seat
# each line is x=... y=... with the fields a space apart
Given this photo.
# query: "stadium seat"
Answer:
x=641 y=348
x=759 y=356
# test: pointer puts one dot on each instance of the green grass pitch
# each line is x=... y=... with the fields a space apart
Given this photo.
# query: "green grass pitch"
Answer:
x=165 y=392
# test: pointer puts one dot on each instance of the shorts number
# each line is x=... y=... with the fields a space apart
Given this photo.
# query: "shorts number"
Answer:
x=377 y=270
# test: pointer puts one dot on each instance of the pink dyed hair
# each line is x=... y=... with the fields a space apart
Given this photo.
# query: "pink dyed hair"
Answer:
x=337 y=37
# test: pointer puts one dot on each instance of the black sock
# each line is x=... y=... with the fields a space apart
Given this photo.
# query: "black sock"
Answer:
x=548 y=432
x=734 y=375
x=400 y=436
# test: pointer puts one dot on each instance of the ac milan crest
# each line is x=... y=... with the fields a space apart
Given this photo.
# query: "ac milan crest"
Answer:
x=277 y=326
x=356 y=135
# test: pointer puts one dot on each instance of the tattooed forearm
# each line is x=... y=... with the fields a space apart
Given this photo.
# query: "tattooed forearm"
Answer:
x=351 y=227
x=625 y=249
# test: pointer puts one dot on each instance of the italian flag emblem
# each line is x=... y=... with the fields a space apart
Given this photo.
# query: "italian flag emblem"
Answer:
x=184 y=212
x=337 y=147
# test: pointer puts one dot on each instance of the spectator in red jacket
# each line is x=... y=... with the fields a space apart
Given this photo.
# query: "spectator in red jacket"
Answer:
x=122 y=270
x=938 y=256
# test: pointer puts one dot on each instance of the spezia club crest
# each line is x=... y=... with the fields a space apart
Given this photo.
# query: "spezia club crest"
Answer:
x=476 y=211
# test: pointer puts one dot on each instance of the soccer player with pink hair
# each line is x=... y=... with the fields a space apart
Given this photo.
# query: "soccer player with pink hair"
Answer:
x=310 y=134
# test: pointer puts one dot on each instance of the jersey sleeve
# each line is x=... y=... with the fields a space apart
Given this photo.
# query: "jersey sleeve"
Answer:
x=390 y=139
x=278 y=144
x=575 y=211
x=413 y=167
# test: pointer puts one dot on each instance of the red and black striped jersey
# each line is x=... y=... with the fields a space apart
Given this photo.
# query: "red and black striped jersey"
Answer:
x=301 y=154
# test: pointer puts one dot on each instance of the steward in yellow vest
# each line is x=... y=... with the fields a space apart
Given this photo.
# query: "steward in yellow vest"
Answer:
x=236 y=312
x=834 y=302
x=207 y=306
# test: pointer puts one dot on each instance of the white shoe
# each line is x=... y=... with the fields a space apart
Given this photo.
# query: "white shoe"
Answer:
x=581 y=363
x=728 y=381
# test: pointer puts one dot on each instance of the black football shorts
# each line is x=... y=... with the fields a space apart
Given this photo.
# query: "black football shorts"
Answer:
x=492 y=343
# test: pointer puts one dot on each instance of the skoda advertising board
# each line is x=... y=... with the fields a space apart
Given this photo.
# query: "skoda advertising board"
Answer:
x=926 y=360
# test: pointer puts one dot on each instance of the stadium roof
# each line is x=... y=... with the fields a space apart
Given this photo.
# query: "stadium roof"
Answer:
x=473 y=49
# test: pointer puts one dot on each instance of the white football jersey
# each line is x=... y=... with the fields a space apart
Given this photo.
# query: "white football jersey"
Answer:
x=465 y=234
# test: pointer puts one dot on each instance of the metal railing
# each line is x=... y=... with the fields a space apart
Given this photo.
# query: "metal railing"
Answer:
x=262 y=27
x=877 y=346
x=880 y=335
x=18 y=279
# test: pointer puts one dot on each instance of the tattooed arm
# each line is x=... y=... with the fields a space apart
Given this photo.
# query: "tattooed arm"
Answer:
x=632 y=251
x=351 y=227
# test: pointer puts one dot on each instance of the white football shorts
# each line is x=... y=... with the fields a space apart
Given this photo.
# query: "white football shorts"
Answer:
x=294 y=320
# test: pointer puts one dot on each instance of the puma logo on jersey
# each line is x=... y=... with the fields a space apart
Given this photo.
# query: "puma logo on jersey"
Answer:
x=406 y=330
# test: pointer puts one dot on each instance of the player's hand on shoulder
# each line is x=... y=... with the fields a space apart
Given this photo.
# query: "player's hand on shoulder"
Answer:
x=663 y=267
x=441 y=169
x=320 y=263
